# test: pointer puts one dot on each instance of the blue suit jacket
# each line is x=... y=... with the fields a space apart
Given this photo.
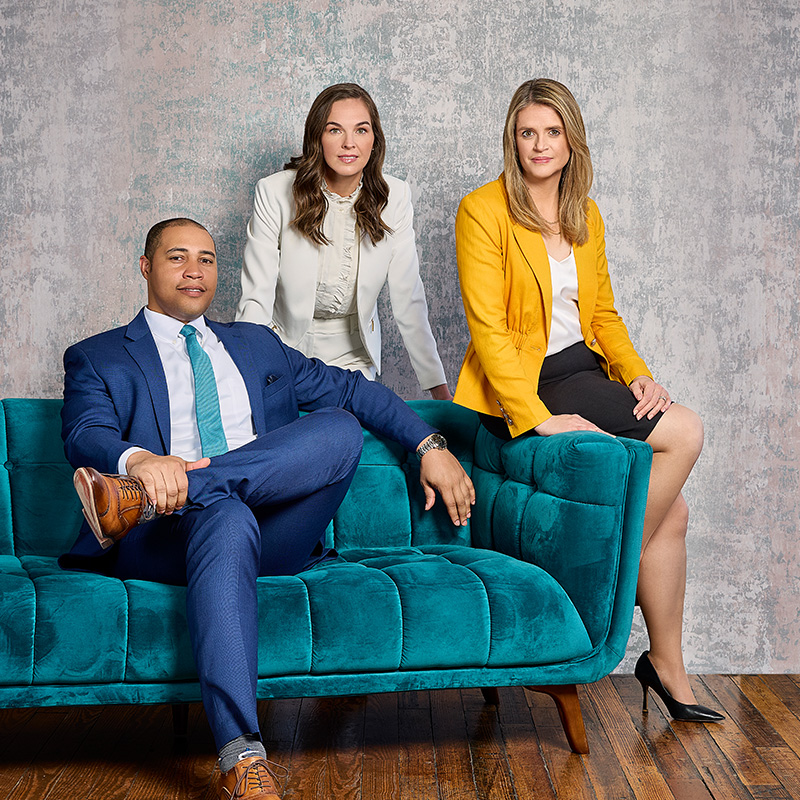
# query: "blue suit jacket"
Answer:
x=115 y=396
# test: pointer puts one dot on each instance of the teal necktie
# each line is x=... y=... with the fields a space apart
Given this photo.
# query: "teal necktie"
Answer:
x=206 y=399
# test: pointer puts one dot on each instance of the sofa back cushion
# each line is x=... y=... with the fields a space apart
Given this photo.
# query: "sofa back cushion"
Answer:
x=385 y=505
x=6 y=529
x=45 y=510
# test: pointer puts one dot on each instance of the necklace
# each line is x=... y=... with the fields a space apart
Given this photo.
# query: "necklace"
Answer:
x=556 y=231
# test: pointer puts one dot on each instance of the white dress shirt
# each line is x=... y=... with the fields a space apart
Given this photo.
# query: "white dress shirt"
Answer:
x=234 y=402
x=565 y=326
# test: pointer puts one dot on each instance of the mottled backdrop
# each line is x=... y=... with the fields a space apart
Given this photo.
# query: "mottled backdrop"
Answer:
x=115 y=115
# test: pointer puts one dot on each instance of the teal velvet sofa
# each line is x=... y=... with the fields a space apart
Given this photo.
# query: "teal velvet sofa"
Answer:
x=538 y=590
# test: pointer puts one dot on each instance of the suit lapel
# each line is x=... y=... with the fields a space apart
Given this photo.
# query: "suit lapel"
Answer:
x=142 y=348
x=232 y=336
x=534 y=252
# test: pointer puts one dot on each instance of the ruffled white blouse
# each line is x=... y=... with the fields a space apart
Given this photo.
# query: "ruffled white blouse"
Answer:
x=338 y=262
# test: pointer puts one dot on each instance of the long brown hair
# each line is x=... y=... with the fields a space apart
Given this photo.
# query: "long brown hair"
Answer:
x=576 y=177
x=310 y=202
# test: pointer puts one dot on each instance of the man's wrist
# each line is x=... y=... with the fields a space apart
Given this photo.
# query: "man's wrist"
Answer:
x=434 y=442
x=122 y=463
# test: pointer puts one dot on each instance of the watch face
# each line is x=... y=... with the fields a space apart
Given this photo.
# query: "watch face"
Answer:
x=435 y=442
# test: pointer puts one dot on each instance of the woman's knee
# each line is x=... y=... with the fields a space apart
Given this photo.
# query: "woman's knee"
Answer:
x=694 y=432
x=679 y=428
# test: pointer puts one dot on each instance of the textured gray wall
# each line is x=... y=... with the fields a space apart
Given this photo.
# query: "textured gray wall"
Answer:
x=115 y=115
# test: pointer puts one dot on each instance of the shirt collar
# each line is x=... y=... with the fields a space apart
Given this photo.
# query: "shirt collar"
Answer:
x=168 y=328
x=337 y=198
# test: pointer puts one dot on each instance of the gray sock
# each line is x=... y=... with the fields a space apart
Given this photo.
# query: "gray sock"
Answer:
x=245 y=746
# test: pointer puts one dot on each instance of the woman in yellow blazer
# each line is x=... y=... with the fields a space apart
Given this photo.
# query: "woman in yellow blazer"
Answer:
x=549 y=353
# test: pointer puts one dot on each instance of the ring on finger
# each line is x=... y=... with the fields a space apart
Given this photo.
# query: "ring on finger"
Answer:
x=661 y=397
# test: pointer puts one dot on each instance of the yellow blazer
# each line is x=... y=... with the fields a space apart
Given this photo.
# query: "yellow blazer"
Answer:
x=504 y=273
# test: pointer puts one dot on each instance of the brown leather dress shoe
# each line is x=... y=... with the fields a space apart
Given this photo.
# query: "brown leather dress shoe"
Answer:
x=112 y=504
x=250 y=779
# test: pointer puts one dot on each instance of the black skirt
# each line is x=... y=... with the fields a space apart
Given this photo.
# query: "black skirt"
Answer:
x=572 y=382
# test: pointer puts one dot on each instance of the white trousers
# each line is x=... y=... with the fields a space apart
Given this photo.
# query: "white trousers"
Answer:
x=338 y=342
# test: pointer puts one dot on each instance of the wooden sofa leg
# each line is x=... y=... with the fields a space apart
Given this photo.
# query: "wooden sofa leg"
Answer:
x=180 y=720
x=569 y=709
x=491 y=695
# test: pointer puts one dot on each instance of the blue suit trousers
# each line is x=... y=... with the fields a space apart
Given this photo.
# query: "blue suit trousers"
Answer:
x=259 y=510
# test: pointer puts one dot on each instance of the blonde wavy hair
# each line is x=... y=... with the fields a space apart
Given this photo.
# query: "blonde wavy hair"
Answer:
x=576 y=177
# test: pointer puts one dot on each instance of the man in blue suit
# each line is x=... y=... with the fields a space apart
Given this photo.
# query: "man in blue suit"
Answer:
x=245 y=489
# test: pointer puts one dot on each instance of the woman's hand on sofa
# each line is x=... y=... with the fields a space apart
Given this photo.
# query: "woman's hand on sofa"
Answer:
x=439 y=471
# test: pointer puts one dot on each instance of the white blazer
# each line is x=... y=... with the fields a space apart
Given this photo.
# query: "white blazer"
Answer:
x=279 y=277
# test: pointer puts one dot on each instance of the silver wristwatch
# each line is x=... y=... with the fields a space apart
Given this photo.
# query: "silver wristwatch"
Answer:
x=434 y=442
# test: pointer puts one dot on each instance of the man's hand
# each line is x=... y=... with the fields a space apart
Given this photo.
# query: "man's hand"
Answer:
x=439 y=471
x=164 y=478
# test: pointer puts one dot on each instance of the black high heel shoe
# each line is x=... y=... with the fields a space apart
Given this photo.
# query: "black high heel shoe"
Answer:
x=646 y=674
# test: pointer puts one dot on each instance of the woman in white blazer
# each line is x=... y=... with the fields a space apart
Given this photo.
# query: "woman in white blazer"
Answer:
x=325 y=236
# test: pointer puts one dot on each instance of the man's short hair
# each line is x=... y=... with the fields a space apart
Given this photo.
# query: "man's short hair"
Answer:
x=153 y=239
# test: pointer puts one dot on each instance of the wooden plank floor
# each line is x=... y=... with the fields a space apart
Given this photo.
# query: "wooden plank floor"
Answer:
x=445 y=745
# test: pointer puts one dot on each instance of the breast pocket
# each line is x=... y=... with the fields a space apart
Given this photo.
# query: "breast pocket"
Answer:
x=279 y=401
x=273 y=386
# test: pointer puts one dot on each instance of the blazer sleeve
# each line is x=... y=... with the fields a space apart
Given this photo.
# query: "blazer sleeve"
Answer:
x=612 y=335
x=482 y=255
x=407 y=296
x=262 y=255
x=318 y=385
x=90 y=426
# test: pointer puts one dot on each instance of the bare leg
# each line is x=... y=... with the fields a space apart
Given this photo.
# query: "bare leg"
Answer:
x=661 y=590
x=676 y=441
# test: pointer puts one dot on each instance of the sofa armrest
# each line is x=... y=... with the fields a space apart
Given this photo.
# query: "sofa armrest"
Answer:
x=573 y=504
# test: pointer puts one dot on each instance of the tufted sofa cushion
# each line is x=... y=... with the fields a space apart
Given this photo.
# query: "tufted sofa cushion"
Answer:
x=372 y=610
x=537 y=589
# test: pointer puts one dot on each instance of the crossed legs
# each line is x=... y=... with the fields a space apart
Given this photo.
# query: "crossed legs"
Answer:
x=677 y=441
x=258 y=510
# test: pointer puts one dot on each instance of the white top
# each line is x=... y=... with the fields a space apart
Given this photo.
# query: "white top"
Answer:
x=338 y=261
x=565 y=326
x=234 y=402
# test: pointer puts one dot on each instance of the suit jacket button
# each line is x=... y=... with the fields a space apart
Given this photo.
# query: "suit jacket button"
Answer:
x=594 y=341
